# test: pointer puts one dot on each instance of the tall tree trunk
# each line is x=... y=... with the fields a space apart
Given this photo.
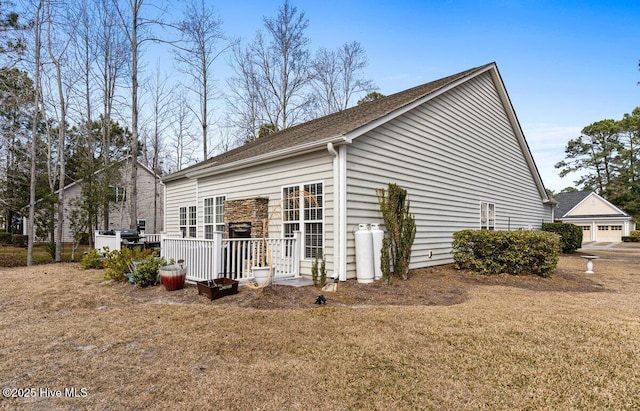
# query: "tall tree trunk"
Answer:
x=133 y=198
x=37 y=21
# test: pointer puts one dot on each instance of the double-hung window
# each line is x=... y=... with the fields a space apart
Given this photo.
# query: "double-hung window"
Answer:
x=487 y=216
x=193 y=220
x=213 y=215
x=183 y=221
x=303 y=210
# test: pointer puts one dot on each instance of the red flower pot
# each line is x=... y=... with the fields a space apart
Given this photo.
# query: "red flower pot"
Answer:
x=173 y=277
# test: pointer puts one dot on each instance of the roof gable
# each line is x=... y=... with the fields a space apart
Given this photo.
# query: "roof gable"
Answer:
x=101 y=170
x=586 y=204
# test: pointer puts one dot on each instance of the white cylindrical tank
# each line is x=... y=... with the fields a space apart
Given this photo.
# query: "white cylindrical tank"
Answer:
x=377 y=236
x=364 y=254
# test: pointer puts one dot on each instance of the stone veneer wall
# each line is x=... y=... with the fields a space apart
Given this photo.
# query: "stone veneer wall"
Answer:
x=250 y=210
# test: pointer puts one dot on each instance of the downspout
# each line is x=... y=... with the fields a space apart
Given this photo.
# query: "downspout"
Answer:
x=337 y=236
x=339 y=212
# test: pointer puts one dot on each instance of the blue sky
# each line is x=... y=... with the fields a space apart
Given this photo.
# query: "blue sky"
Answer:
x=565 y=64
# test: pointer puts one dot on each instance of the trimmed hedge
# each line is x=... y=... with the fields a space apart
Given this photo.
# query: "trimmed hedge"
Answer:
x=633 y=237
x=5 y=238
x=513 y=252
x=19 y=240
x=571 y=235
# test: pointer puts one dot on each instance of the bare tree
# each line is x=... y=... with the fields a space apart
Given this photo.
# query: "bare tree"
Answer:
x=57 y=48
x=161 y=107
x=337 y=77
x=245 y=109
x=201 y=44
x=183 y=141
x=38 y=21
x=112 y=47
x=134 y=25
x=275 y=70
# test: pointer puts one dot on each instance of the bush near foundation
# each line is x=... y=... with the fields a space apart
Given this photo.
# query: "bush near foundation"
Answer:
x=571 y=235
x=633 y=237
x=513 y=252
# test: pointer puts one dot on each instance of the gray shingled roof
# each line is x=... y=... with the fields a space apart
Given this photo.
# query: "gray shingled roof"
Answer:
x=336 y=124
x=567 y=201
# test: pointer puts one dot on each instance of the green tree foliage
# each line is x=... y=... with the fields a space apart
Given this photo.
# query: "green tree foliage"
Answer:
x=570 y=235
x=400 y=224
x=593 y=152
x=374 y=95
x=607 y=157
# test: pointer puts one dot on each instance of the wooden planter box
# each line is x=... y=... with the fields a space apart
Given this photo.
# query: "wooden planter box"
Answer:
x=217 y=288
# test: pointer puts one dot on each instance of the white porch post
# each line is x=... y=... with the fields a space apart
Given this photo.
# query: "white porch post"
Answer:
x=217 y=254
x=297 y=237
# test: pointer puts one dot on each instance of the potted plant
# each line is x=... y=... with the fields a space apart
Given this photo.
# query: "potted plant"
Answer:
x=173 y=276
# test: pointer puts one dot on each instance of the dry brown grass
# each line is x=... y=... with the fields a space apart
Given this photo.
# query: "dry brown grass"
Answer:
x=443 y=340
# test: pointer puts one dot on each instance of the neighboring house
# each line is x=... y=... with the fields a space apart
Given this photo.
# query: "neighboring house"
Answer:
x=600 y=220
x=119 y=216
x=455 y=144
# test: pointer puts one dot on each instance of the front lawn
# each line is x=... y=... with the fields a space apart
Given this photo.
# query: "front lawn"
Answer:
x=11 y=256
x=500 y=342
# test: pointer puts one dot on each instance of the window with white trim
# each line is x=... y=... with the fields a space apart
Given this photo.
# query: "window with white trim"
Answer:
x=193 y=219
x=303 y=210
x=183 y=221
x=586 y=227
x=213 y=215
x=603 y=228
x=487 y=216
x=117 y=194
x=616 y=228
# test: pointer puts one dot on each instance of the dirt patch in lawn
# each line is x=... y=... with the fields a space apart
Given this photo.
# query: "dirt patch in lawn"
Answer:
x=442 y=285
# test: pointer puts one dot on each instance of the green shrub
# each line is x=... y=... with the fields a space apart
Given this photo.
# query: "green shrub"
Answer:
x=571 y=235
x=633 y=237
x=5 y=238
x=513 y=252
x=314 y=272
x=118 y=263
x=19 y=240
x=92 y=259
x=146 y=271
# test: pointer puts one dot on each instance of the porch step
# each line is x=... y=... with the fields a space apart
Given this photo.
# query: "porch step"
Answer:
x=293 y=282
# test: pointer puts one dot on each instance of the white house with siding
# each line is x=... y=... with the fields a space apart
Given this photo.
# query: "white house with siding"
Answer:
x=149 y=202
x=455 y=144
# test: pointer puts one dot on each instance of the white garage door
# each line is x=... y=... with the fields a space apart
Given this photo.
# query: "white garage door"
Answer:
x=609 y=233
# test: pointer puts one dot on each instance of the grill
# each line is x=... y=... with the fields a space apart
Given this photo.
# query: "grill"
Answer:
x=239 y=230
x=127 y=235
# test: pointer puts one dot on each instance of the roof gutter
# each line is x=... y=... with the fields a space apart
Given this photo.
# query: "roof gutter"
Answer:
x=261 y=159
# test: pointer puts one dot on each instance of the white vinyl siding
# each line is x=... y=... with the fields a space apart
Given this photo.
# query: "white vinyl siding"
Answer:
x=449 y=153
x=263 y=180
x=181 y=193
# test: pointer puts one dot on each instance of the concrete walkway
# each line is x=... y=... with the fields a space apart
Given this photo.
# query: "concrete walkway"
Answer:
x=609 y=246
